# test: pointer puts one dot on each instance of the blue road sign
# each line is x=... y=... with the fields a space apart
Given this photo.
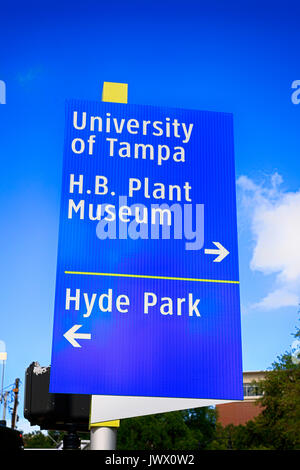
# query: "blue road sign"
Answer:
x=147 y=291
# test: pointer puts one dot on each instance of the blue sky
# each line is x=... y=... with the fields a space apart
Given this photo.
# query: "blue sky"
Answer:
x=238 y=57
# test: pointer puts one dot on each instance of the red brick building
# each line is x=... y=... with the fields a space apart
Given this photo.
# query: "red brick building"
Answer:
x=240 y=412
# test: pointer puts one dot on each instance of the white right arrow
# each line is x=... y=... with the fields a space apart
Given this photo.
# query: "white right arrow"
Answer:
x=71 y=336
x=221 y=252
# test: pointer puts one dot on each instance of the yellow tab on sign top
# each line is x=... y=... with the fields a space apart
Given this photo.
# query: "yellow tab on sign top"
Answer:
x=115 y=92
x=107 y=424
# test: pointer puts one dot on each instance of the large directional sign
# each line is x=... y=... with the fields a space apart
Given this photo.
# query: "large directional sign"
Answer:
x=147 y=291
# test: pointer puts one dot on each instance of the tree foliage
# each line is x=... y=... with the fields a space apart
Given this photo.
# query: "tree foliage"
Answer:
x=277 y=427
x=279 y=422
x=177 y=430
x=38 y=440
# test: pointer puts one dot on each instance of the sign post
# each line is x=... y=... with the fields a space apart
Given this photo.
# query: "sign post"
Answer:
x=147 y=293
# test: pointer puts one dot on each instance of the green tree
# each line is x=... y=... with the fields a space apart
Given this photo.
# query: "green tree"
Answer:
x=278 y=425
x=279 y=422
x=38 y=440
x=202 y=423
x=177 y=430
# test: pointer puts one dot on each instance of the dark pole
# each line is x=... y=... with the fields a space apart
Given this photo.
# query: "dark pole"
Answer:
x=71 y=441
x=16 y=402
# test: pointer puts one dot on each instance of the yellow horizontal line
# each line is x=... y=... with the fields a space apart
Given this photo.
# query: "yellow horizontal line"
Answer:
x=152 y=277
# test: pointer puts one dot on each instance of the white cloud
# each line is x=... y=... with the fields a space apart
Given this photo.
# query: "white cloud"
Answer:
x=277 y=299
x=275 y=225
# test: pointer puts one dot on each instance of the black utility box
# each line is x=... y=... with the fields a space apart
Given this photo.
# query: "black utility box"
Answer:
x=53 y=411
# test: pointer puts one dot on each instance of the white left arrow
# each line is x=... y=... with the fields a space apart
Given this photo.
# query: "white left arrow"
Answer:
x=221 y=252
x=71 y=336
